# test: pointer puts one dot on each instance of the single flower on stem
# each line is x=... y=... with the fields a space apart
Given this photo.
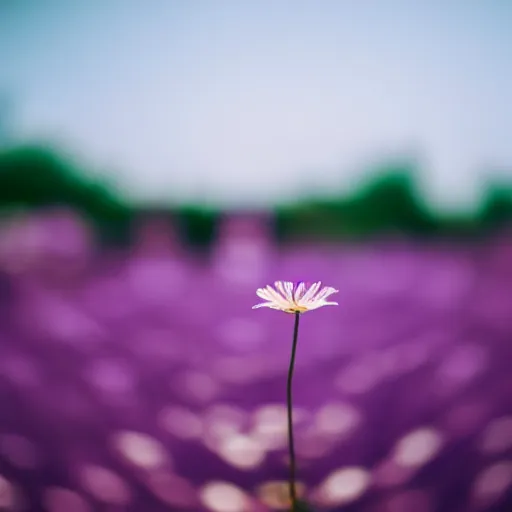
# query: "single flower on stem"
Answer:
x=294 y=298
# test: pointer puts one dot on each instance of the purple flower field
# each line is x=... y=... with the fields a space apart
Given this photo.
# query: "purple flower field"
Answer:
x=141 y=380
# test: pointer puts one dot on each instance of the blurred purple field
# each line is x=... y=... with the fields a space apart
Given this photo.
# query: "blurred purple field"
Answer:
x=141 y=380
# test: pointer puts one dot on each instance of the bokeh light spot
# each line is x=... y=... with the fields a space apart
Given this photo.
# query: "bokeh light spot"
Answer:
x=411 y=356
x=67 y=323
x=276 y=494
x=58 y=499
x=241 y=334
x=199 y=386
x=181 y=422
x=21 y=370
x=466 y=418
x=389 y=474
x=141 y=450
x=358 y=378
x=497 y=437
x=105 y=485
x=493 y=482
x=111 y=376
x=224 y=420
x=270 y=424
x=313 y=444
x=238 y=369
x=336 y=419
x=8 y=495
x=19 y=451
x=172 y=489
x=460 y=366
x=418 y=447
x=407 y=501
x=155 y=280
x=241 y=451
x=224 y=497
x=343 y=486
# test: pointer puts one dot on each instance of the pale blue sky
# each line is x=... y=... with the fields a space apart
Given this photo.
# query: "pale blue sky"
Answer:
x=247 y=102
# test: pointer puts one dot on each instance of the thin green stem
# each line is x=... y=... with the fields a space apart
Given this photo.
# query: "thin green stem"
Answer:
x=293 y=491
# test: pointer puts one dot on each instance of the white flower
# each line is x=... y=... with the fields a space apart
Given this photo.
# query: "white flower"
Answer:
x=295 y=297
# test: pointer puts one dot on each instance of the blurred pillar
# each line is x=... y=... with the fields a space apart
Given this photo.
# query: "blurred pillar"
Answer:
x=40 y=239
x=156 y=235
x=51 y=247
x=157 y=265
x=244 y=248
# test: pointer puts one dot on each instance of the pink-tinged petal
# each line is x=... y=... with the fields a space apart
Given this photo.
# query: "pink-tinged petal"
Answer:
x=276 y=306
x=299 y=291
x=264 y=305
x=291 y=298
x=263 y=294
x=310 y=293
x=320 y=304
x=279 y=286
x=325 y=292
x=331 y=304
x=284 y=289
x=288 y=286
x=277 y=297
x=274 y=292
x=270 y=295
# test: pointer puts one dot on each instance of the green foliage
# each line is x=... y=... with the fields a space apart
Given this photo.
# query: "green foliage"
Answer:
x=497 y=209
x=197 y=226
x=387 y=204
x=34 y=178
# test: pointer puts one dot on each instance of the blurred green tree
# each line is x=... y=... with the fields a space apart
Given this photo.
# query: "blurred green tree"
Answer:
x=32 y=177
x=197 y=226
x=385 y=204
x=497 y=208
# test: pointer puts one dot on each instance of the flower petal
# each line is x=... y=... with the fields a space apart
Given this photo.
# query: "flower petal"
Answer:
x=277 y=297
x=326 y=292
x=299 y=291
x=286 y=289
x=308 y=296
x=289 y=286
x=263 y=294
x=265 y=305
x=320 y=304
x=295 y=298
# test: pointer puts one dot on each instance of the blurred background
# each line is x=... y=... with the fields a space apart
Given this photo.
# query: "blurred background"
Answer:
x=160 y=161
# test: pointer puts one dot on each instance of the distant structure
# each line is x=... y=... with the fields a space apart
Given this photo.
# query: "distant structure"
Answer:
x=155 y=234
x=156 y=273
x=244 y=247
x=56 y=242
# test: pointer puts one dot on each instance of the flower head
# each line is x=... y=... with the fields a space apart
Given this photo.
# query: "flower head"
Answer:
x=295 y=297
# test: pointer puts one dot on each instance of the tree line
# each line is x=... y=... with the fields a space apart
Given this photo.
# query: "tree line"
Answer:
x=34 y=178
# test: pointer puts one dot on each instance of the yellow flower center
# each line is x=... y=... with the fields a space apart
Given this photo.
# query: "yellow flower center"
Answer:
x=296 y=309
